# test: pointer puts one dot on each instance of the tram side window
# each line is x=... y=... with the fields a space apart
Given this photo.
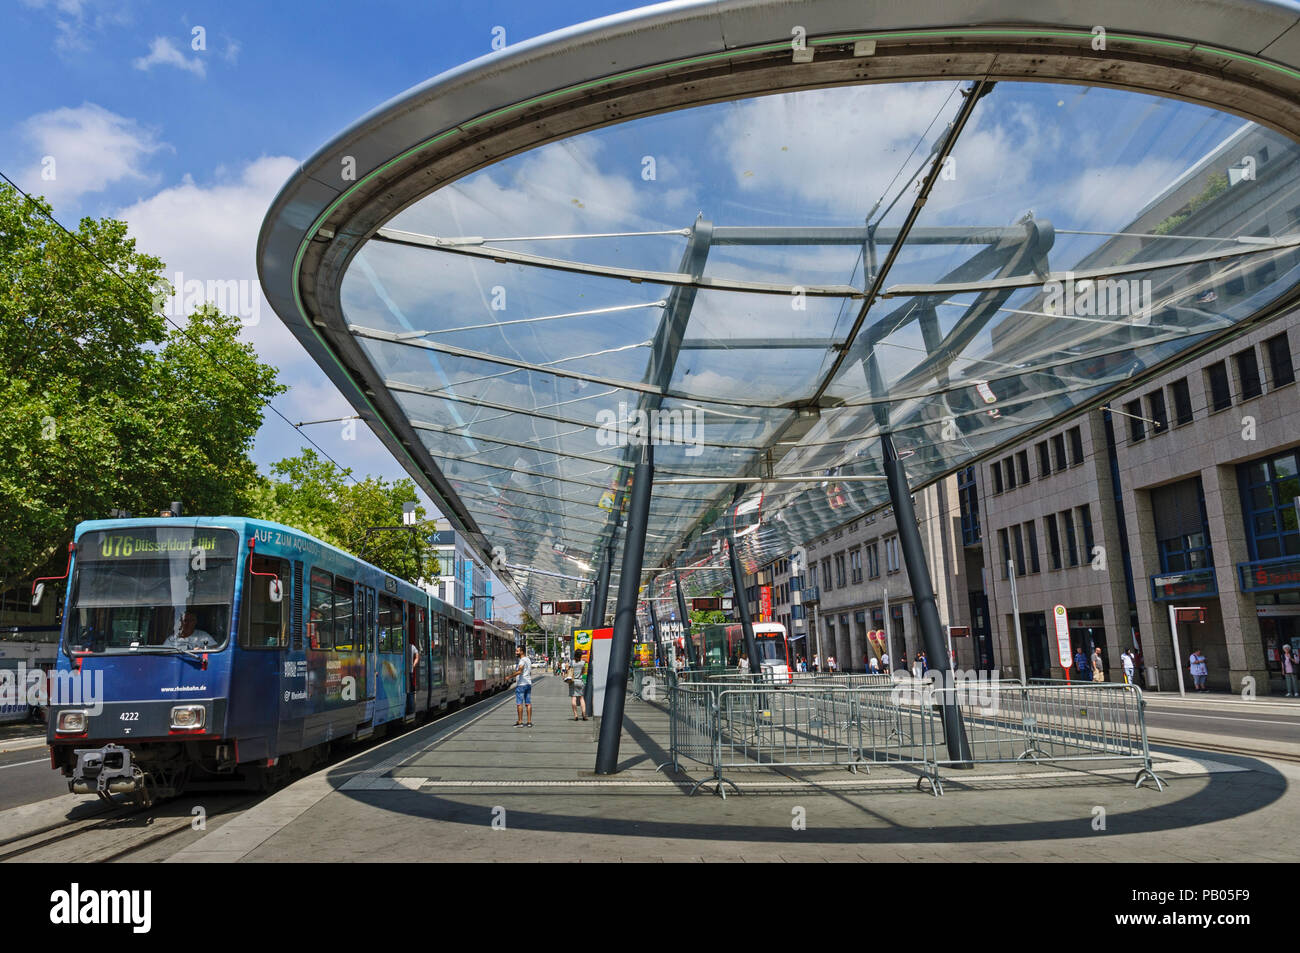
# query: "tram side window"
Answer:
x=390 y=626
x=438 y=630
x=320 y=619
x=265 y=621
x=344 y=629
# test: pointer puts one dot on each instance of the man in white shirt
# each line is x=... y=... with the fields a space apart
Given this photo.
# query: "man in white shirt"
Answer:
x=884 y=662
x=523 y=688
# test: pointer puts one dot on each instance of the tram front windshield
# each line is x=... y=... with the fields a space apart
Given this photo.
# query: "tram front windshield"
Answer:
x=771 y=648
x=152 y=589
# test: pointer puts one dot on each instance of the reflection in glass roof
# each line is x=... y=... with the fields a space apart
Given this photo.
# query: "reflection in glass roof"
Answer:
x=782 y=279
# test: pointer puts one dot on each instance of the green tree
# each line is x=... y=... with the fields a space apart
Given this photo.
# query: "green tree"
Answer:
x=104 y=404
x=309 y=493
x=709 y=616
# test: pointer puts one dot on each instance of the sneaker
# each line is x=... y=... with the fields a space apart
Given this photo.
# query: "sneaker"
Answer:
x=530 y=724
x=519 y=724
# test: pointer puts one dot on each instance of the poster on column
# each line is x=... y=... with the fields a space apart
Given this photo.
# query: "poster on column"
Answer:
x=601 y=640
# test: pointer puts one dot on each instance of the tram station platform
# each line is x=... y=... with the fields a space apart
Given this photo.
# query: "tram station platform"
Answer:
x=472 y=787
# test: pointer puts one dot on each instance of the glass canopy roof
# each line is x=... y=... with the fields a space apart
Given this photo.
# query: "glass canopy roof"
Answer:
x=776 y=281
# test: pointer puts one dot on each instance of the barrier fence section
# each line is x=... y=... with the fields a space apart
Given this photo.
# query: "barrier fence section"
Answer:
x=1089 y=721
x=734 y=722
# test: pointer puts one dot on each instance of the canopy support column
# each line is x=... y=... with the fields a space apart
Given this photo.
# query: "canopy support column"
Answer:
x=686 y=620
x=629 y=585
x=918 y=575
x=742 y=602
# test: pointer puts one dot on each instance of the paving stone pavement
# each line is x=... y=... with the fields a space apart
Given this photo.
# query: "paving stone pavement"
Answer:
x=472 y=787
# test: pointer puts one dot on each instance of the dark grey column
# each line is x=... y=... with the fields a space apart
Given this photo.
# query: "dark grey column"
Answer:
x=686 y=621
x=918 y=575
x=742 y=603
x=629 y=583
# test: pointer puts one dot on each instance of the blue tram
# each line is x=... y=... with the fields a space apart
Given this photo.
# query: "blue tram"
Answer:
x=234 y=649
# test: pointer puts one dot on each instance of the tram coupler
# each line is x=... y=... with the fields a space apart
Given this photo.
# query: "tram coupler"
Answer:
x=104 y=771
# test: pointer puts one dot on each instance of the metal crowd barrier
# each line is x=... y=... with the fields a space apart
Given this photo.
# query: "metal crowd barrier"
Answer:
x=734 y=723
x=1057 y=723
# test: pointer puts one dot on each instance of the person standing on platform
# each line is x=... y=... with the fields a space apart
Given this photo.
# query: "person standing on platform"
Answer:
x=576 y=677
x=884 y=662
x=1126 y=660
x=1200 y=671
x=523 y=688
x=1081 y=663
x=873 y=665
x=1098 y=666
x=1288 y=672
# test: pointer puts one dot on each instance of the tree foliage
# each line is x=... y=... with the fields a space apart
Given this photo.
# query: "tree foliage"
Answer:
x=709 y=616
x=105 y=405
x=309 y=493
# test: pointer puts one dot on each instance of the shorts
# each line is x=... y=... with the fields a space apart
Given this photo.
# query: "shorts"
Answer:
x=523 y=694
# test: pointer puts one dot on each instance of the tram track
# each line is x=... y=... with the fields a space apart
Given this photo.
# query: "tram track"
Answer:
x=116 y=832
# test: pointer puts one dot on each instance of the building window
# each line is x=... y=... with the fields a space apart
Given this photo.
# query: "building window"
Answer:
x=891 y=554
x=1009 y=472
x=1182 y=401
x=1181 y=553
x=1085 y=523
x=1157 y=412
x=1216 y=377
x=1053 y=541
x=968 y=496
x=1019 y=540
x=839 y=570
x=1076 y=446
x=826 y=574
x=1182 y=536
x=1044 y=460
x=855 y=564
x=996 y=469
x=1031 y=540
x=1071 y=542
x=873 y=561
x=1280 y=369
x=1058 y=451
x=1022 y=458
x=1269 y=489
x=1006 y=552
x=1136 y=428
x=1248 y=374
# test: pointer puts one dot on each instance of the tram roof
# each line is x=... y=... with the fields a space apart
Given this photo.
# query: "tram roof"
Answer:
x=774 y=231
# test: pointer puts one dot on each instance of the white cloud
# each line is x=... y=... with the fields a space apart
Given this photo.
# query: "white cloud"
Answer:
x=85 y=149
x=164 y=53
x=78 y=20
x=208 y=233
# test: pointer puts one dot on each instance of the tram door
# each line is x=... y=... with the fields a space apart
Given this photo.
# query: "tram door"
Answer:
x=368 y=655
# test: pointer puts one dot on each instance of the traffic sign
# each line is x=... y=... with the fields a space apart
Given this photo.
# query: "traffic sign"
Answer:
x=1062 y=637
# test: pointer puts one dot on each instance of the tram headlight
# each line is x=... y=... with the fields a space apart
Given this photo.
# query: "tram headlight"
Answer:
x=73 y=721
x=188 y=716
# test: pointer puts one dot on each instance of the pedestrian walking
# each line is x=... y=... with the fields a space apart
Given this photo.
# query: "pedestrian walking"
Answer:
x=884 y=662
x=1288 y=672
x=817 y=662
x=1130 y=666
x=743 y=664
x=873 y=665
x=923 y=663
x=1081 y=663
x=523 y=688
x=1098 y=666
x=1200 y=671
x=576 y=677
